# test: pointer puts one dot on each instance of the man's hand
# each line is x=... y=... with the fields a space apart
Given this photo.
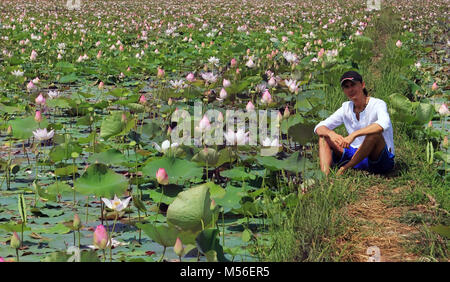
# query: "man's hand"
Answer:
x=348 y=140
x=337 y=139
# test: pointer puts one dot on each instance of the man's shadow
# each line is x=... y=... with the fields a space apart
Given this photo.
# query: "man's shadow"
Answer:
x=399 y=167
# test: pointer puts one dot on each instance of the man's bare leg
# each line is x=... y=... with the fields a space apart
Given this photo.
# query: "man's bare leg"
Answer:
x=326 y=148
x=372 y=147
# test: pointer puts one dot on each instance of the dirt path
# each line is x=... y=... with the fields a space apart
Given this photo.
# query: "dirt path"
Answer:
x=376 y=225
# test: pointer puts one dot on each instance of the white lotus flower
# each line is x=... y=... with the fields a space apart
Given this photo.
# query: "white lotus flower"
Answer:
x=116 y=204
x=290 y=57
x=177 y=84
x=209 y=77
x=42 y=134
x=53 y=94
x=250 y=63
x=17 y=73
x=292 y=85
x=238 y=138
x=214 y=61
x=165 y=146
x=270 y=143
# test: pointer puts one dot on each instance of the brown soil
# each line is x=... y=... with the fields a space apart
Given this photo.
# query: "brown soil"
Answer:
x=376 y=225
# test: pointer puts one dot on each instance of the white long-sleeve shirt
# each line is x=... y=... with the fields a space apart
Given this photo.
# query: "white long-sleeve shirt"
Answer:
x=375 y=112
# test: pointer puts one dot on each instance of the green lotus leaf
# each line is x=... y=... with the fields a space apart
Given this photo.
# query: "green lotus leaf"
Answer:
x=22 y=128
x=112 y=125
x=112 y=156
x=101 y=181
x=190 y=211
x=162 y=234
x=178 y=170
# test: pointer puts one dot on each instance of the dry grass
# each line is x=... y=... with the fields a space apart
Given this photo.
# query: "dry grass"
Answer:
x=376 y=225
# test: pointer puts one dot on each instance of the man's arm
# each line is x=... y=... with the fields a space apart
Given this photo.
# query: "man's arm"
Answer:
x=324 y=131
x=370 y=129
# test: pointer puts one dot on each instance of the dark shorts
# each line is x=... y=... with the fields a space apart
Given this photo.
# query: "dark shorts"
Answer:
x=384 y=164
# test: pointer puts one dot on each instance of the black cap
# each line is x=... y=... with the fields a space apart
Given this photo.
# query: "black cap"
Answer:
x=351 y=75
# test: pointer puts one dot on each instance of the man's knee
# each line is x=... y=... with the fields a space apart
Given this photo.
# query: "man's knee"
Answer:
x=374 y=137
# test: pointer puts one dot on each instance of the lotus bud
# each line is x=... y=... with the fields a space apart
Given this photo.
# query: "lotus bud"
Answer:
x=272 y=82
x=434 y=87
x=15 y=241
x=162 y=177
x=443 y=110
x=213 y=204
x=160 y=73
x=2 y=259
x=178 y=248
x=286 y=112
x=226 y=83
x=9 y=130
x=233 y=62
x=223 y=94
x=266 y=97
x=30 y=86
x=170 y=102
x=76 y=222
x=445 y=142
x=100 y=237
x=40 y=100
x=124 y=118
x=169 y=131
x=101 y=85
x=220 y=117
x=399 y=44
x=250 y=106
x=38 y=116
x=430 y=124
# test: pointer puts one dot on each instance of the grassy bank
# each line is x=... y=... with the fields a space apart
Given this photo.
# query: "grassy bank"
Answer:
x=319 y=228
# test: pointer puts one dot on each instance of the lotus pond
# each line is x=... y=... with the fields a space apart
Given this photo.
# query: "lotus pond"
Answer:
x=106 y=82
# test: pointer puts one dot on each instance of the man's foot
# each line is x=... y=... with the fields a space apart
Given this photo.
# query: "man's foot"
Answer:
x=341 y=171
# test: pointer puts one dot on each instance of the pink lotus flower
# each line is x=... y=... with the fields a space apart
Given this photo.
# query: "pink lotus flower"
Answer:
x=100 y=237
x=266 y=97
x=2 y=259
x=33 y=55
x=40 y=100
x=443 y=110
x=38 y=116
x=399 y=44
x=30 y=86
x=160 y=73
x=321 y=52
x=190 y=77
x=434 y=87
x=142 y=100
x=233 y=62
x=162 y=177
x=36 y=80
x=272 y=82
x=250 y=106
x=121 y=48
x=99 y=54
x=204 y=124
